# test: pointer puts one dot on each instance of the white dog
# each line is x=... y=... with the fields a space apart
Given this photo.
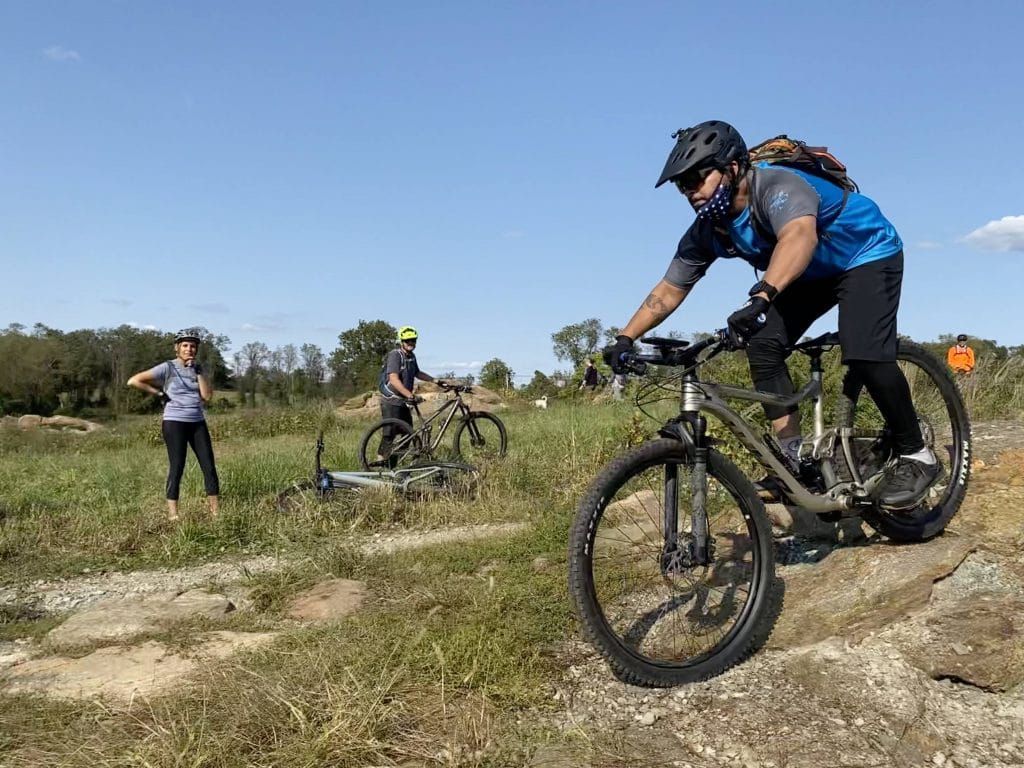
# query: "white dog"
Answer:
x=542 y=403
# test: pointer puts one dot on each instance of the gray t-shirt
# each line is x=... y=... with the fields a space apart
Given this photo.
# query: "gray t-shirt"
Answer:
x=182 y=387
x=404 y=364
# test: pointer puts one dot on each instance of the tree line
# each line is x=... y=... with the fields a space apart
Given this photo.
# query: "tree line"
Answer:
x=83 y=372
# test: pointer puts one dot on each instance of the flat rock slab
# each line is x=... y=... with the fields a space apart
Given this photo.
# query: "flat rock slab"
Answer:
x=119 y=618
x=328 y=601
x=856 y=591
x=978 y=639
x=123 y=672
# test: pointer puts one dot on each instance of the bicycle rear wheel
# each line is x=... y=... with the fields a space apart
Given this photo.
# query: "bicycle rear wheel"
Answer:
x=946 y=429
x=406 y=446
x=424 y=480
x=480 y=437
x=661 y=623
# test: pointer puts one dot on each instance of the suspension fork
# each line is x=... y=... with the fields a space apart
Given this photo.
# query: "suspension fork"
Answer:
x=696 y=550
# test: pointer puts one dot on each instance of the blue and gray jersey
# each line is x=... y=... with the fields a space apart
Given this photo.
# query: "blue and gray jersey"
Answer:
x=860 y=234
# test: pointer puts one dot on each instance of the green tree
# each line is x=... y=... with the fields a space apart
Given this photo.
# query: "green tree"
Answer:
x=250 y=362
x=577 y=342
x=359 y=355
x=540 y=385
x=496 y=375
x=314 y=368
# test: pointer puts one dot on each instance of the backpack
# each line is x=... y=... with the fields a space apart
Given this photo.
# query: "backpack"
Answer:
x=793 y=153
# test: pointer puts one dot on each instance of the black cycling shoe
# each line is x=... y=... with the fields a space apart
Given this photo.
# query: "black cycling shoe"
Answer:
x=905 y=482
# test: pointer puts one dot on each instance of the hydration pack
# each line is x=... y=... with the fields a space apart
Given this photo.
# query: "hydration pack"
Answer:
x=817 y=161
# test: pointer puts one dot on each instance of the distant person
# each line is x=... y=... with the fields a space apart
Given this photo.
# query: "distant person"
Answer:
x=397 y=378
x=184 y=390
x=590 y=376
x=618 y=385
x=960 y=356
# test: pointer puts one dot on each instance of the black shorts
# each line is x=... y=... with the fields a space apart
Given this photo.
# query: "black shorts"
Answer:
x=868 y=298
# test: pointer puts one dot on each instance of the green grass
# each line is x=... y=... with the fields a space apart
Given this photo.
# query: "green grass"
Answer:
x=455 y=643
x=456 y=639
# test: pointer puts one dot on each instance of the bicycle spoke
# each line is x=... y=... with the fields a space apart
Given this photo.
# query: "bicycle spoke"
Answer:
x=669 y=616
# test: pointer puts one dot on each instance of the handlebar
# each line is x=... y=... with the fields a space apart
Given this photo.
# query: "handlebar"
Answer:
x=675 y=353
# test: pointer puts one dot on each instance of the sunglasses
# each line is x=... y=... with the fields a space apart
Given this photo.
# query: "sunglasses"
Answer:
x=693 y=179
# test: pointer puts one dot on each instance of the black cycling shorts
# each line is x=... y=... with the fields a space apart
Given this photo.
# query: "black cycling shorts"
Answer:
x=868 y=298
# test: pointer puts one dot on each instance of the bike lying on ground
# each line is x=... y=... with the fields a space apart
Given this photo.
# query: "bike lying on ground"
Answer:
x=415 y=480
x=479 y=436
x=671 y=564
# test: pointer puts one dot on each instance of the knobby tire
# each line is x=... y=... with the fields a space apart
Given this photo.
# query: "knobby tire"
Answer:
x=952 y=434
x=613 y=531
x=371 y=440
x=473 y=427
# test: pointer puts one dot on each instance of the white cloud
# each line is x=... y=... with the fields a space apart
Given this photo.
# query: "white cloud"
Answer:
x=60 y=53
x=1006 y=234
x=134 y=324
x=461 y=366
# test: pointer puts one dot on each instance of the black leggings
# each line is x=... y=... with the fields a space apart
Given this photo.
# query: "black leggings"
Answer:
x=178 y=435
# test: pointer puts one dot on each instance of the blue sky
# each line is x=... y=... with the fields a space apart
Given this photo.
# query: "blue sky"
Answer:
x=481 y=170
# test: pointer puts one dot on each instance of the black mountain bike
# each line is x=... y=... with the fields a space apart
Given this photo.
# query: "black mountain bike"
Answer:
x=479 y=436
x=671 y=564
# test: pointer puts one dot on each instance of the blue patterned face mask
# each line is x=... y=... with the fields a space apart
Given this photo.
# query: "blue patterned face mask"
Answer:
x=717 y=208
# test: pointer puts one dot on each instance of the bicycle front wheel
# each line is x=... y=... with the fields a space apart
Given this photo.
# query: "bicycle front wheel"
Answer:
x=404 y=447
x=657 y=620
x=946 y=429
x=480 y=437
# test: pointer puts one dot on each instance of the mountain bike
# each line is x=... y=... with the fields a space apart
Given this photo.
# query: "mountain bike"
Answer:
x=416 y=480
x=479 y=436
x=671 y=565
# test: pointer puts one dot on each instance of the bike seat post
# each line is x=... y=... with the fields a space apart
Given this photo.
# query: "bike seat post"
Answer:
x=817 y=374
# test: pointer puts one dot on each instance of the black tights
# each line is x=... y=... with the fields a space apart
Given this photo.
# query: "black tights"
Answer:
x=178 y=435
x=885 y=383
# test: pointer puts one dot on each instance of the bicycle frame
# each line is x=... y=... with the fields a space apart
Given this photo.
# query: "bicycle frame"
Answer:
x=696 y=398
x=450 y=407
x=327 y=479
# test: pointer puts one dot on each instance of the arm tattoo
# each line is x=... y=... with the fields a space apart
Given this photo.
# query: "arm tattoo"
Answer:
x=656 y=306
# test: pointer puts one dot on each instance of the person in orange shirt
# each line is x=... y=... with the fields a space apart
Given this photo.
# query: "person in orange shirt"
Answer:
x=961 y=357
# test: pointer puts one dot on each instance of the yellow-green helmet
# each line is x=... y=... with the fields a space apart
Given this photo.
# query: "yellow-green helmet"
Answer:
x=407 y=333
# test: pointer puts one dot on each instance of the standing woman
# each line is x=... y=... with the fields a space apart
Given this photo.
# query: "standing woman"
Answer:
x=184 y=389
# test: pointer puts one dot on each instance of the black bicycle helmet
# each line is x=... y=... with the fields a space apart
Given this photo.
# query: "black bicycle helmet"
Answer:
x=712 y=144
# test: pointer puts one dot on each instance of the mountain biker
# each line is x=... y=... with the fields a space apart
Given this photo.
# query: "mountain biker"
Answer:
x=824 y=248
x=184 y=390
x=397 y=378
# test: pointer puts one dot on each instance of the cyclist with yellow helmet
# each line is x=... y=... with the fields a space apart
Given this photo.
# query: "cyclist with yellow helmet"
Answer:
x=397 y=379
